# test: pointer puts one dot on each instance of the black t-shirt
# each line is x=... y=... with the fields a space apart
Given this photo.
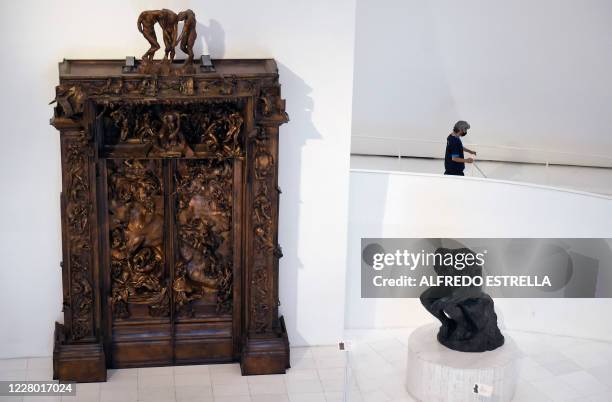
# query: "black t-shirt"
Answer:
x=454 y=149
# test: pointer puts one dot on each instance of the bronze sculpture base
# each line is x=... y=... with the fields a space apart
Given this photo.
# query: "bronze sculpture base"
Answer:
x=164 y=67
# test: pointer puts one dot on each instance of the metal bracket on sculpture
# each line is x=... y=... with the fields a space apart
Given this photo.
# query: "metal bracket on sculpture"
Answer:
x=130 y=65
x=278 y=251
x=206 y=64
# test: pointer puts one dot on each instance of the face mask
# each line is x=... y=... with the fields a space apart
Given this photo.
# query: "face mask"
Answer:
x=463 y=134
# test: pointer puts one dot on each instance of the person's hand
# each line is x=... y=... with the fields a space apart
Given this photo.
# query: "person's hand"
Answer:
x=473 y=153
x=469 y=160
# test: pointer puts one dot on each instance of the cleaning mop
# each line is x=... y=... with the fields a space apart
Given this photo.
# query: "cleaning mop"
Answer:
x=477 y=168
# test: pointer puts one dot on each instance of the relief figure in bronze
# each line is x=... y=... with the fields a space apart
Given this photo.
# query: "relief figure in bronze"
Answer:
x=188 y=34
x=168 y=21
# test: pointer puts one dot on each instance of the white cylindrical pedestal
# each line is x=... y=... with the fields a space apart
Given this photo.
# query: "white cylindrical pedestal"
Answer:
x=437 y=373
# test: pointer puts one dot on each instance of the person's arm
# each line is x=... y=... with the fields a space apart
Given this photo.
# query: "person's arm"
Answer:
x=174 y=32
x=180 y=38
x=139 y=23
x=463 y=160
x=469 y=151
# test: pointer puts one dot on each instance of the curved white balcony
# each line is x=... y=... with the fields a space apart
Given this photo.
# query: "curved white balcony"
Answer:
x=401 y=204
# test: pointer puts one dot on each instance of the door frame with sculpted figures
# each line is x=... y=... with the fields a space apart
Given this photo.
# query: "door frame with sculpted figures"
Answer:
x=169 y=211
x=174 y=244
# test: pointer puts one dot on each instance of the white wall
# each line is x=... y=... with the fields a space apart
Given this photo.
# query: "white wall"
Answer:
x=313 y=43
x=426 y=205
x=532 y=75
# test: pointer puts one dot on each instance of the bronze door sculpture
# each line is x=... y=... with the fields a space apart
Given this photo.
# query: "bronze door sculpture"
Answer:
x=178 y=280
x=169 y=218
x=169 y=210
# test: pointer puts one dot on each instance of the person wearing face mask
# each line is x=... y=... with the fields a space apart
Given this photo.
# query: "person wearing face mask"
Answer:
x=454 y=162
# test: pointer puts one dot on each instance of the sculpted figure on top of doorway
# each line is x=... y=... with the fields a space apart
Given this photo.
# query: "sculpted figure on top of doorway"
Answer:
x=168 y=21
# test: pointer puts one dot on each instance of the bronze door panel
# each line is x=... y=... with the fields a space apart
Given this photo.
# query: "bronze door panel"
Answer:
x=204 y=270
x=171 y=248
x=141 y=327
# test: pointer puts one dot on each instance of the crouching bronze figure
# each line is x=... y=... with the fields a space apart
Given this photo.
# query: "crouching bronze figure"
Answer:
x=467 y=314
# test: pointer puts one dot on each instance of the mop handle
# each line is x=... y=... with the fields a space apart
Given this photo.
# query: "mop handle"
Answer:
x=481 y=172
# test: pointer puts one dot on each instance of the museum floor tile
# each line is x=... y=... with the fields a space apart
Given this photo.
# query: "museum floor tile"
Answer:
x=372 y=369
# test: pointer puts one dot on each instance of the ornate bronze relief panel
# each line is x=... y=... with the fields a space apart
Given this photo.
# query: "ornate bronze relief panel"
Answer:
x=136 y=225
x=204 y=202
x=208 y=129
x=265 y=249
x=78 y=211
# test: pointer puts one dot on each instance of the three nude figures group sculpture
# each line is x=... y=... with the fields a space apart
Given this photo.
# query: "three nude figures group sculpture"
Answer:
x=168 y=21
